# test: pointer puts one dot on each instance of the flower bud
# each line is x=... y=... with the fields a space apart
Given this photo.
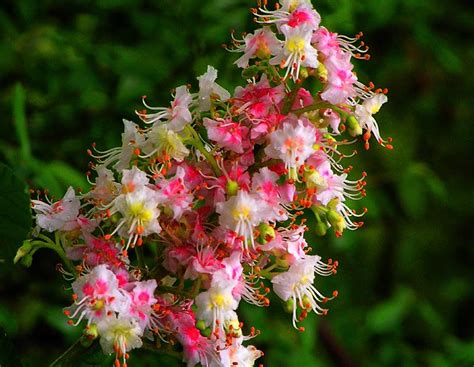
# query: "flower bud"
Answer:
x=250 y=72
x=315 y=180
x=233 y=327
x=263 y=52
x=289 y=305
x=201 y=325
x=26 y=260
x=89 y=334
x=231 y=187
x=322 y=72
x=353 y=126
x=282 y=262
x=293 y=173
x=266 y=233
x=306 y=302
x=206 y=332
x=22 y=251
x=320 y=229
x=336 y=220
x=303 y=73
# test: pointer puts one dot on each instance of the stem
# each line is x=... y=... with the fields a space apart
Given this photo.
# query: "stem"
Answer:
x=55 y=246
x=166 y=289
x=196 y=287
x=78 y=353
x=162 y=351
x=140 y=257
x=66 y=356
x=197 y=143
x=290 y=100
x=319 y=105
x=60 y=251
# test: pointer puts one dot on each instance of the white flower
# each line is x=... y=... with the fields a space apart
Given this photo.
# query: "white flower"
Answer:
x=140 y=213
x=296 y=285
x=58 y=216
x=293 y=144
x=217 y=305
x=133 y=179
x=208 y=87
x=238 y=355
x=241 y=213
x=97 y=294
x=177 y=116
x=164 y=141
x=292 y=5
x=131 y=139
x=120 y=335
x=364 y=113
x=105 y=188
x=297 y=50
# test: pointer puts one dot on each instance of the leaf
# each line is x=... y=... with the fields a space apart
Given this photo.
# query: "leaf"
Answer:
x=8 y=355
x=57 y=176
x=418 y=186
x=15 y=213
x=81 y=356
x=67 y=175
x=387 y=316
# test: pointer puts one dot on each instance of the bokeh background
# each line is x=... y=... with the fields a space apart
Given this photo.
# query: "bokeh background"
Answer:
x=71 y=70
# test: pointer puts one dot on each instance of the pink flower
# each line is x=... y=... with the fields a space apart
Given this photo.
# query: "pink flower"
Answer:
x=176 y=257
x=262 y=44
x=340 y=79
x=97 y=293
x=265 y=186
x=303 y=99
x=204 y=262
x=142 y=298
x=293 y=144
x=196 y=348
x=227 y=134
x=304 y=15
x=288 y=244
x=326 y=42
x=174 y=194
x=257 y=100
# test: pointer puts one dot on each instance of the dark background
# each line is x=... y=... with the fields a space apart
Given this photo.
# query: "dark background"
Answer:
x=406 y=292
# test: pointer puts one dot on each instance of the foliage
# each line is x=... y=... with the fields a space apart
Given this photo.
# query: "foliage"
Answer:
x=71 y=70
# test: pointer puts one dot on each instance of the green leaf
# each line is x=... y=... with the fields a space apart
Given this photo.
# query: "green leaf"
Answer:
x=67 y=175
x=387 y=316
x=8 y=355
x=15 y=213
x=81 y=356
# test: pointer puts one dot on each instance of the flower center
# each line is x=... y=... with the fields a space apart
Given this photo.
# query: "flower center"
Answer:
x=295 y=45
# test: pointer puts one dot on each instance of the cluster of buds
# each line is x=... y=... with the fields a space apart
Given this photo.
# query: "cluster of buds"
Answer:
x=206 y=203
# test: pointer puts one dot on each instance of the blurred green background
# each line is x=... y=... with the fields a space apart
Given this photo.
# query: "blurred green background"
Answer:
x=71 y=70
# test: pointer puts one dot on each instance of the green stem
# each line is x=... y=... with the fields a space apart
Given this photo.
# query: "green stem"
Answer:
x=140 y=257
x=319 y=105
x=174 y=290
x=162 y=351
x=196 y=287
x=290 y=100
x=197 y=143
x=55 y=246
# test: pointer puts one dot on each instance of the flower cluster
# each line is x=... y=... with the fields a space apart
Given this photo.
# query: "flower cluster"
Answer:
x=207 y=201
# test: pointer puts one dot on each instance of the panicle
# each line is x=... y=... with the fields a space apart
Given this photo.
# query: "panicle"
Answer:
x=218 y=198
